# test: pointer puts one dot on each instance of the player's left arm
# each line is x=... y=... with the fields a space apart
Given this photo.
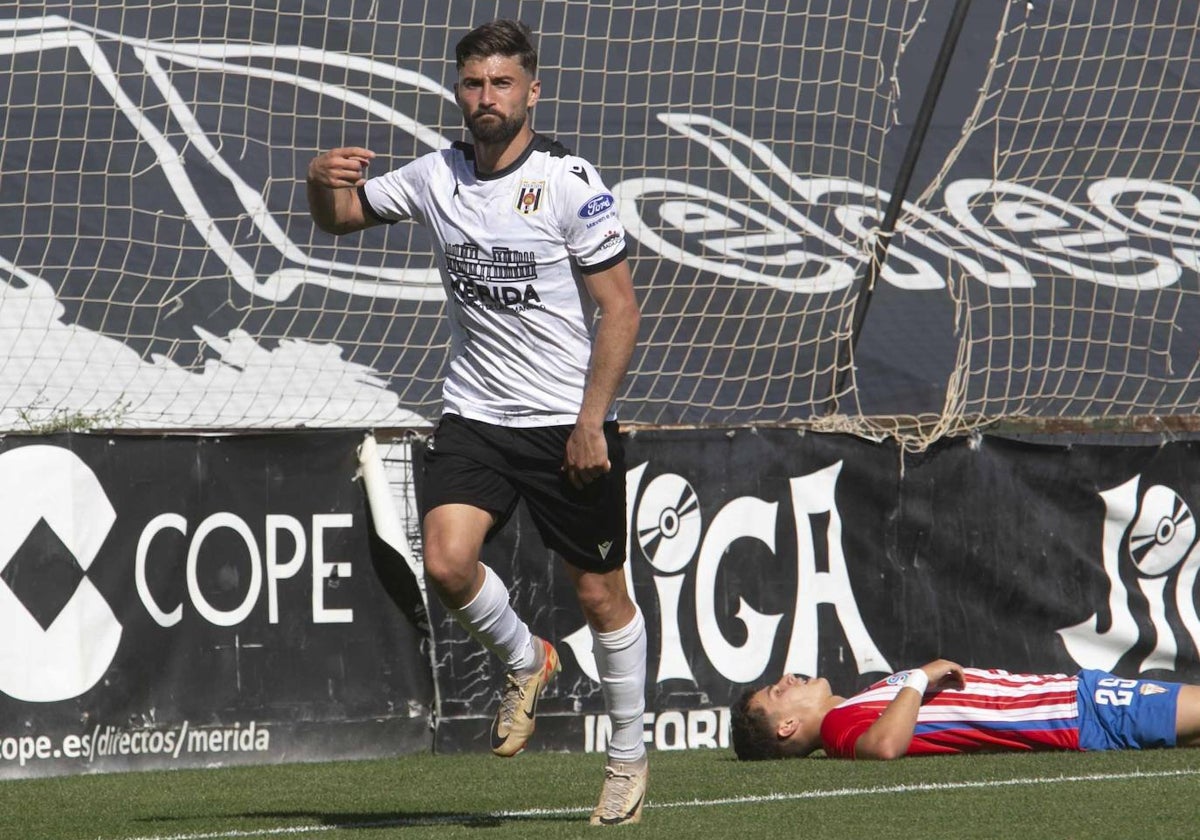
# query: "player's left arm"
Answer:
x=889 y=736
x=586 y=457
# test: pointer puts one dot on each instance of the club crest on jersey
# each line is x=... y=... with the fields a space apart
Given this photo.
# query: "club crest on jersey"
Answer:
x=529 y=198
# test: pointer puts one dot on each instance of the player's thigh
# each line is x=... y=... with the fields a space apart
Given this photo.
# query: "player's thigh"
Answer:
x=453 y=535
x=585 y=525
x=1187 y=717
x=462 y=465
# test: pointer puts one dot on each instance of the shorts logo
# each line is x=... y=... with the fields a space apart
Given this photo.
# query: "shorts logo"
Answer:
x=1146 y=689
x=604 y=548
x=56 y=517
x=529 y=198
x=596 y=205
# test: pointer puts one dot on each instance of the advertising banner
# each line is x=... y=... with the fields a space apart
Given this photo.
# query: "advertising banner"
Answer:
x=189 y=601
x=192 y=601
x=755 y=553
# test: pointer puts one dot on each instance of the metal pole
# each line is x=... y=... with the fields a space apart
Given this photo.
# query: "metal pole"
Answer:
x=888 y=226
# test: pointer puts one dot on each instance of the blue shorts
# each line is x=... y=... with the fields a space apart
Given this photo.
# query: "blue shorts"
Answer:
x=1119 y=714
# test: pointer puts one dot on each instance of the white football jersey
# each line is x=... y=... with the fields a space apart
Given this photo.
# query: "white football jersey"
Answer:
x=512 y=247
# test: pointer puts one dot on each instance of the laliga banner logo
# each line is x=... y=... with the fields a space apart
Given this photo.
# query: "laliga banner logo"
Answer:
x=671 y=537
x=62 y=652
x=1156 y=541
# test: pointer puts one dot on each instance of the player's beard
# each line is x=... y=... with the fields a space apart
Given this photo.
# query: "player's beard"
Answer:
x=495 y=132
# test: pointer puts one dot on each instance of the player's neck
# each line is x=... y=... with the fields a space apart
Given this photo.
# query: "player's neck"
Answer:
x=493 y=157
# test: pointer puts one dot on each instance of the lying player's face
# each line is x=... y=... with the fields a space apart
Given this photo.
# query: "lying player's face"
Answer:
x=792 y=695
x=495 y=94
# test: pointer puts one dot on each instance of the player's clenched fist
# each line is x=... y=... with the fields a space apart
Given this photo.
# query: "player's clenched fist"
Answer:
x=944 y=674
x=332 y=198
x=340 y=168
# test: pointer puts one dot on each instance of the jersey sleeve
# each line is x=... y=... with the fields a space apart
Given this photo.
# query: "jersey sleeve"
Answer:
x=844 y=725
x=592 y=228
x=394 y=196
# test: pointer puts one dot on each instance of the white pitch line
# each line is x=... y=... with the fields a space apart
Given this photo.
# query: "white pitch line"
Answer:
x=533 y=813
x=923 y=787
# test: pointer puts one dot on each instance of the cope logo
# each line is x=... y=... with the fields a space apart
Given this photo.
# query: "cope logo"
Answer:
x=57 y=633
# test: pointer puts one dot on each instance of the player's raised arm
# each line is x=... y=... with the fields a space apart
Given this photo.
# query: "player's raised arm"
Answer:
x=333 y=181
x=890 y=735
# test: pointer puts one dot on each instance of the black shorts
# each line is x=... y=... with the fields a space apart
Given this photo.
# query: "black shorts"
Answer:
x=493 y=467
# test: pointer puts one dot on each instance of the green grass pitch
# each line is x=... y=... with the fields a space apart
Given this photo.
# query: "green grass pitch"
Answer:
x=693 y=795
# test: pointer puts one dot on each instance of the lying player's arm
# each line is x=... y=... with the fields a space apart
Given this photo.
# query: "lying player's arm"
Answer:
x=890 y=735
x=333 y=181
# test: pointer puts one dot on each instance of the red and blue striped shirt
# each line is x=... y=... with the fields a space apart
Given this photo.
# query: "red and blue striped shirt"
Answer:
x=995 y=711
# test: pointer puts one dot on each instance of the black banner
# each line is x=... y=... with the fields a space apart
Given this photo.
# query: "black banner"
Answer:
x=189 y=601
x=755 y=553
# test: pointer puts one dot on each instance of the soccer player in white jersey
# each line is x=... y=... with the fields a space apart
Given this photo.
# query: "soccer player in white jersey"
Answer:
x=944 y=708
x=530 y=248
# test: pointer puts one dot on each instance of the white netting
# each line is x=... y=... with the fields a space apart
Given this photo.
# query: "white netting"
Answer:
x=1089 y=114
x=158 y=268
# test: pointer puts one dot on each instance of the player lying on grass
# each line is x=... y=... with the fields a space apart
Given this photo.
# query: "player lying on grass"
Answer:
x=945 y=708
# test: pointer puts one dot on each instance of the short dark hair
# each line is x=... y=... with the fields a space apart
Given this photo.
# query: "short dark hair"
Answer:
x=751 y=731
x=499 y=37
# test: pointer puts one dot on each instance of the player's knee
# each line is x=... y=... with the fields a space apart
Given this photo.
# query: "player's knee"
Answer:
x=452 y=577
x=590 y=601
x=605 y=608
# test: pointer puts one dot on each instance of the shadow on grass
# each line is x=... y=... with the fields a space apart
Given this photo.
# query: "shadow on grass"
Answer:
x=402 y=819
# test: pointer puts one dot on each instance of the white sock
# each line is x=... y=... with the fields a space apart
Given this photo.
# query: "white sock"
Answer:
x=621 y=663
x=490 y=619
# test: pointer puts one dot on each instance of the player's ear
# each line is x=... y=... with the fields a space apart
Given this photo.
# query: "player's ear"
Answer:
x=535 y=90
x=787 y=728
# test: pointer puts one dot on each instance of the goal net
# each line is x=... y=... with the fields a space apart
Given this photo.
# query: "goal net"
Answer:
x=159 y=270
x=1087 y=120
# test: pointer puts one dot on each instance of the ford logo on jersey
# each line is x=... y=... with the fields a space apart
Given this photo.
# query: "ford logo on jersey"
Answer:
x=596 y=205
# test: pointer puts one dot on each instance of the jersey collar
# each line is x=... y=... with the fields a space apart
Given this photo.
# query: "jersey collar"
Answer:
x=539 y=143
